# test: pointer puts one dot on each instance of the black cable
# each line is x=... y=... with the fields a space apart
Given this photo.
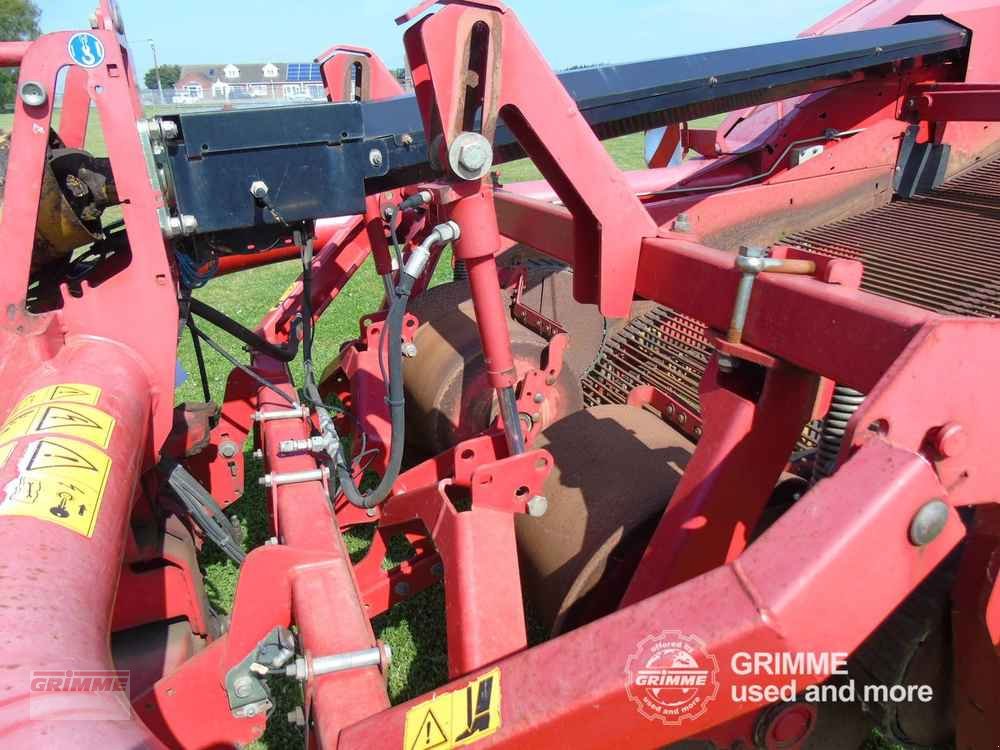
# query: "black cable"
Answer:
x=200 y=357
x=248 y=337
x=394 y=322
x=236 y=363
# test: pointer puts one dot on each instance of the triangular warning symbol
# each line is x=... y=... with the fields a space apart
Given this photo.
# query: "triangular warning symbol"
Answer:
x=430 y=735
x=56 y=417
x=49 y=455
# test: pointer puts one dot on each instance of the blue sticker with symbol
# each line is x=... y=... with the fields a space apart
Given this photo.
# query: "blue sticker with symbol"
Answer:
x=86 y=50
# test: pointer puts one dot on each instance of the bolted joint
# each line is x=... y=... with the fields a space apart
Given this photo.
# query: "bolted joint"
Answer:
x=33 y=93
x=259 y=190
x=929 y=522
x=314 y=444
x=294 y=477
x=297 y=412
x=470 y=156
x=228 y=449
x=180 y=226
x=409 y=349
x=538 y=506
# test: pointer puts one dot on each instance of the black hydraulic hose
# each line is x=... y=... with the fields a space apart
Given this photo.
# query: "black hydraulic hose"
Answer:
x=394 y=329
x=396 y=401
x=248 y=337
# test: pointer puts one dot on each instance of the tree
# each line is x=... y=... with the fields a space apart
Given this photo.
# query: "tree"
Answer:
x=18 y=21
x=169 y=75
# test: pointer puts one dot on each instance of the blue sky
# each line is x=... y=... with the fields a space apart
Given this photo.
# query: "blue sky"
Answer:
x=568 y=32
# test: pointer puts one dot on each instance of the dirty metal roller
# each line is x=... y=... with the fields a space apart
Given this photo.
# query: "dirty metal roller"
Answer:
x=448 y=396
x=576 y=558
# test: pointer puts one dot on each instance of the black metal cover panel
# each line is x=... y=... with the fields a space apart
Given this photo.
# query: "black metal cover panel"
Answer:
x=315 y=158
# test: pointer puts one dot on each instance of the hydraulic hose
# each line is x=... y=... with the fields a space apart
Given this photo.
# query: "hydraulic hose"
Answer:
x=408 y=276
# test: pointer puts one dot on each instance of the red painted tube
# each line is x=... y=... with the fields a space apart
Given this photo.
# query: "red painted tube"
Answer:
x=60 y=566
x=325 y=593
x=11 y=53
x=477 y=246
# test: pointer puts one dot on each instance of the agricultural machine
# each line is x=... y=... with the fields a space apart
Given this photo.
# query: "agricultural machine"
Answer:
x=729 y=410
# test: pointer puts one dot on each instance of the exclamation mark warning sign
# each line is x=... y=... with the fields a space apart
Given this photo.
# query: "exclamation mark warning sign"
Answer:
x=431 y=734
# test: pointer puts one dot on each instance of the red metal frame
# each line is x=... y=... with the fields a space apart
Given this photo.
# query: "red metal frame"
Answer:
x=783 y=592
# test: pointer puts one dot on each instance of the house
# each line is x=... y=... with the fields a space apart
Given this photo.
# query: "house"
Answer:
x=229 y=81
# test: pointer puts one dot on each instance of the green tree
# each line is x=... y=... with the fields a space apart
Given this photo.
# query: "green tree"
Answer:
x=18 y=21
x=169 y=75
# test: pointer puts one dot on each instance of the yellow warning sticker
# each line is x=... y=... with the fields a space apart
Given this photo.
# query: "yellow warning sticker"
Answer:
x=76 y=393
x=457 y=718
x=61 y=481
x=67 y=419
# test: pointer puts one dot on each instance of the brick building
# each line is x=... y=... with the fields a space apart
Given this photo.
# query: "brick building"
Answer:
x=231 y=81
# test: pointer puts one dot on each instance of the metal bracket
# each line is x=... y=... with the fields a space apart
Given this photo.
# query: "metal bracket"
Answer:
x=527 y=316
x=248 y=693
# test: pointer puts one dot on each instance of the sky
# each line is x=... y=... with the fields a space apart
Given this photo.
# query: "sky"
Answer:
x=569 y=32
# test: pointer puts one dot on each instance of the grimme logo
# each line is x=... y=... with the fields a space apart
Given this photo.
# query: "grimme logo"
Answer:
x=672 y=677
x=75 y=694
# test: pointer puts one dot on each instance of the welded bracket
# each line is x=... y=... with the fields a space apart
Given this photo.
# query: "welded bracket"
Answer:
x=473 y=63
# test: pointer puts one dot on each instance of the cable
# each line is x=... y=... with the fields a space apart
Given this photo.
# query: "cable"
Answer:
x=753 y=178
x=236 y=363
x=200 y=357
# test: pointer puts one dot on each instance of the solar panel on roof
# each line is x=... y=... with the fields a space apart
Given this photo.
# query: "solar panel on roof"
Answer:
x=304 y=72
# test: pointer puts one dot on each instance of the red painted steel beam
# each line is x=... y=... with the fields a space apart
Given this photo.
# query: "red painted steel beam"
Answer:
x=787 y=315
x=956 y=102
x=322 y=594
x=11 y=53
x=787 y=592
x=59 y=585
x=728 y=481
x=485 y=614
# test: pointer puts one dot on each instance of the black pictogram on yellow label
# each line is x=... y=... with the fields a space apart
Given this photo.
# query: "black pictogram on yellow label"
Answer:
x=61 y=481
x=76 y=393
x=457 y=718
x=77 y=420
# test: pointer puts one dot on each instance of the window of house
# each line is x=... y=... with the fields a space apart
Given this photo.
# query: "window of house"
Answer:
x=194 y=90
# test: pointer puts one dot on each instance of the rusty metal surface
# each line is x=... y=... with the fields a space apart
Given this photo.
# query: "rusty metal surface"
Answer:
x=448 y=395
x=660 y=348
x=573 y=555
x=937 y=251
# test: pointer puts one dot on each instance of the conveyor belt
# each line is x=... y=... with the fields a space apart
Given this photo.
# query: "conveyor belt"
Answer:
x=938 y=251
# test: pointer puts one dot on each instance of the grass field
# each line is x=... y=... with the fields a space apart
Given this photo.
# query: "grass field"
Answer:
x=415 y=630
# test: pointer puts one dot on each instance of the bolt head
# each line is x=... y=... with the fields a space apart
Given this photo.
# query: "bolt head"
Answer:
x=950 y=440
x=402 y=588
x=33 y=93
x=228 y=449
x=375 y=158
x=929 y=522
x=538 y=398
x=259 y=189
x=473 y=156
x=169 y=129
x=726 y=363
x=243 y=686
x=409 y=349
x=538 y=506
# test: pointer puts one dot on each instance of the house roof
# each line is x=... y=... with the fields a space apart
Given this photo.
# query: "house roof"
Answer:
x=254 y=72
